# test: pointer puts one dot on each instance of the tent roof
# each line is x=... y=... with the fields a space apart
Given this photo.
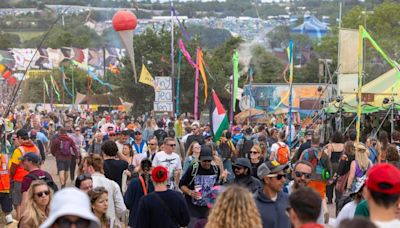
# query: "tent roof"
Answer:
x=311 y=25
x=101 y=99
x=381 y=87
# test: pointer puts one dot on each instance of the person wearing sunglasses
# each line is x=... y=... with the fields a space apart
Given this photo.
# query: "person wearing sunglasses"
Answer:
x=37 y=205
x=169 y=160
x=71 y=207
x=243 y=177
x=271 y=200
x=139 y=145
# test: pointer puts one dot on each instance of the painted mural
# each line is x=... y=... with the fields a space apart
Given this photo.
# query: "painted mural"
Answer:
x=275 y=97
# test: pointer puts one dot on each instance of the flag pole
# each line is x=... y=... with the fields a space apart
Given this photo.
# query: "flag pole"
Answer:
x=172 y=53
x=196 y=87
x=290 y=91
x=360 y=72
x=178 y=82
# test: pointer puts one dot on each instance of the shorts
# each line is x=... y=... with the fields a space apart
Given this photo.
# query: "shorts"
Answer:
x=6 y=202
x=16 y=194
x=63 y=165
x=319 y=186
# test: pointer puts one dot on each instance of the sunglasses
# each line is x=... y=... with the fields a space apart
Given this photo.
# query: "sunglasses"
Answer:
x=278 y=176
x=112 y=134
x=66 y=223
x=172 y=145
x=42 y=194
x=152 y=144
x=83 y=177
x=254 y=152
x=300 y=174
x=138 y=133
x=207 y=161
x=237 y=168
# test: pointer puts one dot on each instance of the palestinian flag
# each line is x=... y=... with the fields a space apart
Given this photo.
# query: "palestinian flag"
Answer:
x=218 y=117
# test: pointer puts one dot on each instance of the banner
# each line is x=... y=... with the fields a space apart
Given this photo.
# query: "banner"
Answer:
x=55 y=87
x=203 y=74
x=145 y=77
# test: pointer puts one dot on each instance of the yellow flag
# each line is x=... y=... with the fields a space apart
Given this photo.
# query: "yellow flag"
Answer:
x=145 y=77
x=203 y=74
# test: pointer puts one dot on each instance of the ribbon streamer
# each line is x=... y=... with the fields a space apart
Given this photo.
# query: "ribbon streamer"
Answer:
x=63 y=81
x=94 y=76
x=203 y=74
x=185 y=34
x=235 y=61
x=46 y=86
x=186 y=53
x=55 y=87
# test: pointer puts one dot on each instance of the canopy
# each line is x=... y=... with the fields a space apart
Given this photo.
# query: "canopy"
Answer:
x=250 y=113
x=311 y=27
x=377 y=90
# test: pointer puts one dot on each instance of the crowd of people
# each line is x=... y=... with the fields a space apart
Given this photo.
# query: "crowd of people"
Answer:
x=118 y=171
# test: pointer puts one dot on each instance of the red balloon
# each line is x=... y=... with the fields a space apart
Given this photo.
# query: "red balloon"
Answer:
x=11 y=81
x=7 y=74
x=124 y=20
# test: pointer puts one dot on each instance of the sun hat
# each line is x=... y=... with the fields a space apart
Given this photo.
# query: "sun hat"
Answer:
x=70 y=201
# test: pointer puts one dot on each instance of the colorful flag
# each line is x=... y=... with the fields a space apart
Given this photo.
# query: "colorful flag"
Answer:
x=146 y=78
x=186 y=53
x=218 y=117
x=235 y=61
x=203 y=74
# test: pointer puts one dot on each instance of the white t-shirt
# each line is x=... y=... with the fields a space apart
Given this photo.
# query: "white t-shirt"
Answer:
x=347 y=212
x=170 y=161
x=388 y=224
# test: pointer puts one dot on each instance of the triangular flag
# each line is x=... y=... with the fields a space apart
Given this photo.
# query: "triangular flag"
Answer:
x=218 y=117
x=146 y=78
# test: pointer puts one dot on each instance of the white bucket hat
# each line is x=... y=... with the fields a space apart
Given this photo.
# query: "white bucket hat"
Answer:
x=71 y=201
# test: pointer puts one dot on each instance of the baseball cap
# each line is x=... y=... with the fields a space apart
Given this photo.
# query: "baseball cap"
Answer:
x=33 y=157
x=236 y=129
x=384 y=178
x=205 y=153
x=270 y=167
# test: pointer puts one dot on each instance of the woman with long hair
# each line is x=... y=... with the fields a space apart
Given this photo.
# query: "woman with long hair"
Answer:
x=148 y=131
x=235 y=207
x=37 y=206
x=359 y=166
x=99 y=201
x=335 y=151
x=256 y=159
x=374 y=147
x=192 y=155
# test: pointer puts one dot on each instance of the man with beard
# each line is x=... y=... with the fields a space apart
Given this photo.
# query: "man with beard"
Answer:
x=243 y=177
x=301 y=177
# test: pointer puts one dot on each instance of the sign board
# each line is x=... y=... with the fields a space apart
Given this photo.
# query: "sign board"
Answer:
x=163 y=96
x=163 y=106
x=367 y=97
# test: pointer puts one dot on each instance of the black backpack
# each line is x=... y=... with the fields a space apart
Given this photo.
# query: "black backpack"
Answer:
x=246 y=147
x=46 y=178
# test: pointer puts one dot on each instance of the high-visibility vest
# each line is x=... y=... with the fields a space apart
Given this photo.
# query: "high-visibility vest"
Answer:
x=20 y=172
x=4 y=174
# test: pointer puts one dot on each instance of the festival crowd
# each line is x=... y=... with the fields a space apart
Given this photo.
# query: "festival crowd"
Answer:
x=114 y=170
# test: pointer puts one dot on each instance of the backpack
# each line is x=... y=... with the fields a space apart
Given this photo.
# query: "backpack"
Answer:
x=196 y=169
x=246 y=147
x=224 y=150
x=46 y=178
x=65 y=147
x=282 y=154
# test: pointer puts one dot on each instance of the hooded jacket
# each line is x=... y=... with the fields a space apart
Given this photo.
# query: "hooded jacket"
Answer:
x=56 y=151
x=249 y=182
x=273 y=212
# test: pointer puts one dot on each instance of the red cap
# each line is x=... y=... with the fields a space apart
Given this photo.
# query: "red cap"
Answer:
x=164 y=176
x=384 y=178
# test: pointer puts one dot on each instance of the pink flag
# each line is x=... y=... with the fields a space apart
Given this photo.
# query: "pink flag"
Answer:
x=186 y=53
